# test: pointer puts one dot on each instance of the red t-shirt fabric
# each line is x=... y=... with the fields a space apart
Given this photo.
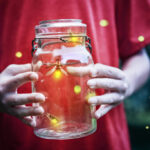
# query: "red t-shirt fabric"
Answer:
x=118 y=29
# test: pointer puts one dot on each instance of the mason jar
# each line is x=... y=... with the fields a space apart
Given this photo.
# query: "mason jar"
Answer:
x=59 y=45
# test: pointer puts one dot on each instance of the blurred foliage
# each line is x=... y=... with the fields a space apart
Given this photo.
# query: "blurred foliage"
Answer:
x=137 y=109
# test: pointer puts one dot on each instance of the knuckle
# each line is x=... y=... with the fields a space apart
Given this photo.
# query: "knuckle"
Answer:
x=31 y=97
x=11 y=67
x=93 y=71
x=109 y=72
x=4 y=100
x=15 y=82
x=13 y=102
x=109 y=84
x=124 y=86
x=21 y=113
x=96 y=82
x=112 y=100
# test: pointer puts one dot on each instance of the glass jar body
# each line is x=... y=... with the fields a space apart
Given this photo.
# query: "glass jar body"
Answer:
x=67 y=113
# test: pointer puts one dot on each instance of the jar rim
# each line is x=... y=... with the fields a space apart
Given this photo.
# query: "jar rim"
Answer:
x=61 y=21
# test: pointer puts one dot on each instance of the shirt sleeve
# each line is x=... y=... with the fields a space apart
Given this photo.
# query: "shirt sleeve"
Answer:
x=133 y=26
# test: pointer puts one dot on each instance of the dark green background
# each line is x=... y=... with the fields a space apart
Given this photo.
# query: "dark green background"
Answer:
x=138 y=115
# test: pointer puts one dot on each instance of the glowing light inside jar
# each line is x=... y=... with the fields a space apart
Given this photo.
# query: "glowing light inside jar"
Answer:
x=74 y=39
x=54 y=122
x=57 y=74
x=77 y=89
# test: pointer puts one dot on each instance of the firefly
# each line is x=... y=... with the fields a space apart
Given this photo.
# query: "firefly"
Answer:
x=53 y=120
x=77 y=89
x=18 y=54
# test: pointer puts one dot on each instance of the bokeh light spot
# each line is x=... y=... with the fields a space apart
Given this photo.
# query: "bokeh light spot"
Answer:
x=141 y=38
x=77 y=89
x=146 y=127
x=104 y=23
x=18 y=54
x=54 y=121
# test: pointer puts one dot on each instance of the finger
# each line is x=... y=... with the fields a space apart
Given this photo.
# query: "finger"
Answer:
x=27 y=111
x=97 y=70
x=108 y=98
x=29 y=121
x=21 y=99
x=16 y=69
x=37 y=66
x=21 y=79
x=108 y=71
x=103 y=110
x=80 y=71
x=108 y=84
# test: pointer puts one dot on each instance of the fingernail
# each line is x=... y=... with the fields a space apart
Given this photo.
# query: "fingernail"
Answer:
x=90 y=83
x=34 y=76
x=39 y=110
x=40 y=97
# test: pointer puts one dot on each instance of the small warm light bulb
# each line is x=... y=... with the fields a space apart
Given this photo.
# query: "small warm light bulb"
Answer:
x=77 y=89
x=18 y=54
x=57 y=74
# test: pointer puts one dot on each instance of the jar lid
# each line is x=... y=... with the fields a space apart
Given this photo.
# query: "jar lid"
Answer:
x=60 y=27
x=60 y=23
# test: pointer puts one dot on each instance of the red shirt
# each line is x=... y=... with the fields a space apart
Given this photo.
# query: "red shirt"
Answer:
x=118 y=29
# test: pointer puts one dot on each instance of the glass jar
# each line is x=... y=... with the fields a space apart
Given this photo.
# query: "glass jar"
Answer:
x=58 y=45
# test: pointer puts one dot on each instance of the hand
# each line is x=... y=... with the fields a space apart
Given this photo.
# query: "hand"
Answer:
x=11 y=102
x=113 y=80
